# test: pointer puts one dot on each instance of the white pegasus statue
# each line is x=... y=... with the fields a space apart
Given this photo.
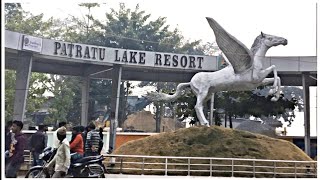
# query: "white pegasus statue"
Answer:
x=244 y=71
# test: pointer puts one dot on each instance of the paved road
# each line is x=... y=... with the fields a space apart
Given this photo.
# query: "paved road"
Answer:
x=126 y=176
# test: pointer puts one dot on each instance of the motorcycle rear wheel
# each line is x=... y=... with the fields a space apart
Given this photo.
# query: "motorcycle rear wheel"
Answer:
x=37 y=173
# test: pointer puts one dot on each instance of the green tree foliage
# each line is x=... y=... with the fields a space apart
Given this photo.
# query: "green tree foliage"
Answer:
x=24 y=22
x=62 y=107
x=18 y=20
x=124 y=28
x=241 y=104
x=133 y=29
x=35 y=96
x=10 y=77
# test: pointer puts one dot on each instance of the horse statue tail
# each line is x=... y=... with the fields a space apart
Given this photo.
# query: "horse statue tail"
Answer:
x=154 y=96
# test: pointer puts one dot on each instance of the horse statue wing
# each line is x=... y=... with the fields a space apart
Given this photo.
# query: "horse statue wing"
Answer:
x=237 y=53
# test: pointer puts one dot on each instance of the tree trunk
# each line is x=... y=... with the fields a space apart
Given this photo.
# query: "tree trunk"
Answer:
x=225 y=120
x=230 y=121
x=158 y=117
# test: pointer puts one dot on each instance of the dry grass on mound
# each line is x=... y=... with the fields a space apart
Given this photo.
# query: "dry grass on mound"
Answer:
x=210 y=142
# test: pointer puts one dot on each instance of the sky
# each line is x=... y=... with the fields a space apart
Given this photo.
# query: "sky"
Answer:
x=294 y=20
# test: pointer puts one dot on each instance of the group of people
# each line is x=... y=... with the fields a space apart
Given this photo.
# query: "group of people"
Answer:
x=84 y=142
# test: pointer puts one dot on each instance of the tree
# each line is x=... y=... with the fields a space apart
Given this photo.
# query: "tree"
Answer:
x=134 y=30
x=18 y=20
x=63 y=88
x=239 y=104
x=24 y=22
x=9 y=93
x=125 y=28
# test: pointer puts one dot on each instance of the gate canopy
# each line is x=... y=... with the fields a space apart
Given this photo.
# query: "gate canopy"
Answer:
x=65 y=58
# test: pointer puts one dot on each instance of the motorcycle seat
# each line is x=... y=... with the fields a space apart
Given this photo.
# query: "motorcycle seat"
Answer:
x=88 y=158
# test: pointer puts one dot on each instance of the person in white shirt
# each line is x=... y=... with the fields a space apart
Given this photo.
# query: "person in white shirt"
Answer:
x=62 y=158
x=55 y=141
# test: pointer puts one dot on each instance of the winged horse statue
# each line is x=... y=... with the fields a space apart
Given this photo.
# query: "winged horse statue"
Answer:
x=244 y=71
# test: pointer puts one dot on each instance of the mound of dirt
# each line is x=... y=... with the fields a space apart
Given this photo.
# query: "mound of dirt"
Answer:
x=213 y=142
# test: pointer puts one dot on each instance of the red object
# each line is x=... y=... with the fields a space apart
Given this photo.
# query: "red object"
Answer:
x=77 y=145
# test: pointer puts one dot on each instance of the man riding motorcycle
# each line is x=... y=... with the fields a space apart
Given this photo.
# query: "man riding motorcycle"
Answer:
x=61 y=160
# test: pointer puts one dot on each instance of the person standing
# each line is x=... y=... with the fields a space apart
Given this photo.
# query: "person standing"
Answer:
x=45 y=135
x=84 y=132
x=92 y=141
x=16 y=151
x=76 y=144
x=37 y=145
x=55 y=141
x=101 y=140
x=61 y=160
x=8 y=135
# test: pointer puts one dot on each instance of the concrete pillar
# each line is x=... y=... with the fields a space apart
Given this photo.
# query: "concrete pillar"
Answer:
x=23 y=73
x=116 y=82
x=85 y=100
x=306 y=100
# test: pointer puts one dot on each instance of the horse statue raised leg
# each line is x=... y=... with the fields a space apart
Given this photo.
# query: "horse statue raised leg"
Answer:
x=244 y=71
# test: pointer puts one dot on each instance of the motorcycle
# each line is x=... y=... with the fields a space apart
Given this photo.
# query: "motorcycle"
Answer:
x=86 y=167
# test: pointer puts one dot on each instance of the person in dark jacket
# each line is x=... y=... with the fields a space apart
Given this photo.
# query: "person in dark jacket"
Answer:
x=37 y=145
x=8 y=135
x=16 y=150
x=84 y=131
x=101 y=140
x=7 y=140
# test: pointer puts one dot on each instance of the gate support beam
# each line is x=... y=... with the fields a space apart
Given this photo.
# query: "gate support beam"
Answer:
x=306 y=100
x=116 y=81
x=85 y=100
x=23 y=73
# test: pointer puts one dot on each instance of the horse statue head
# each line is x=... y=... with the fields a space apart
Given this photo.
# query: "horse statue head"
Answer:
x=267 y=41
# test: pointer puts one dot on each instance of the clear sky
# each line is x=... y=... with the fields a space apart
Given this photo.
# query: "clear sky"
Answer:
x=245 y=19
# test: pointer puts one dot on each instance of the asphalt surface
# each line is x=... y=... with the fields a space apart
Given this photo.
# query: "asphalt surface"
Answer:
x=126 y=176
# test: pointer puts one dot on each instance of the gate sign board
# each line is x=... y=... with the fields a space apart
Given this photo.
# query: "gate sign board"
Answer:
x=32 y=43
x=83 y=53
x=128 y=57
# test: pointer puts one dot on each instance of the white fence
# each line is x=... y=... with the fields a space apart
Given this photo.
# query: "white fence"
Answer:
x=209 y=166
